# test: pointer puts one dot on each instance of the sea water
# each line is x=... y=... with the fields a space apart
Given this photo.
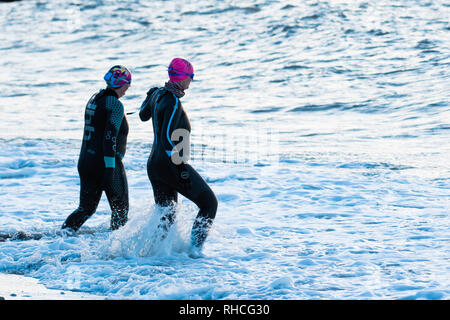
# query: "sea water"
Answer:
x=323 y=128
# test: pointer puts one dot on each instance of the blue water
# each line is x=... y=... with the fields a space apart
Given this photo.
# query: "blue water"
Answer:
x=322 y=126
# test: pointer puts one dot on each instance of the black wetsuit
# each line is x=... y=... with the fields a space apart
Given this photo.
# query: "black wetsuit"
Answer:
x=100 y=162
x=168 y=177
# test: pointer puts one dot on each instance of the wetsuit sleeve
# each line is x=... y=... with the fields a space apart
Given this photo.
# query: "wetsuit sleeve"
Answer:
x=172 y=117
x=146 y=110
x=115 y=114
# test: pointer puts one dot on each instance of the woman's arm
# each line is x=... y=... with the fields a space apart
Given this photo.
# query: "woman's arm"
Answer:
x=113 y=121
x=146 y=110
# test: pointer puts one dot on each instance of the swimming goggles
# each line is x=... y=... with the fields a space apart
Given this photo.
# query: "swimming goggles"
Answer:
x=179 y=72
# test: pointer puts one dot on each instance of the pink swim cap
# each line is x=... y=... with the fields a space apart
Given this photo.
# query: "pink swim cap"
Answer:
x=179 y=69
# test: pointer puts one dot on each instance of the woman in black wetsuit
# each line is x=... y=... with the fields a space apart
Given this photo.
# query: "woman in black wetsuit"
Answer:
x=103 y=148
x=167 y=165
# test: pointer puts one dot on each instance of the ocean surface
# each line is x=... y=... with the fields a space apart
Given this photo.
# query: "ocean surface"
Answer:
x=323 y=127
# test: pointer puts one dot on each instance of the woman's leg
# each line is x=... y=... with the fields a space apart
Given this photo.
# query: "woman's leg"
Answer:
x=165 y=197
x=90 y=194
x=202 y=195
x=166 y=184
x=117 y=195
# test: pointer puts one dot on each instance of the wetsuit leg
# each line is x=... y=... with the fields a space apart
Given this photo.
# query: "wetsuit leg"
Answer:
x=117 y=195
x=202 y=195
x=165 y=196
x=90 y=194
x=165 y=186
